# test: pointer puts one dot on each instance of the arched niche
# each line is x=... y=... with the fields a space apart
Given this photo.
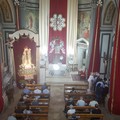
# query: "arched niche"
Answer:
x=82 y=49
x=18 y=41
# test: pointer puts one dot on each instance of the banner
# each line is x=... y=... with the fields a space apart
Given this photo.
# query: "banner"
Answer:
x=57 y=32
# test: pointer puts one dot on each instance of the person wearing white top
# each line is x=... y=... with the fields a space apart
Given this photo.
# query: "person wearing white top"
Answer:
x=91 y=79
x=46 y=91
x=37 y=91
x=71 y=110
x=81 y=102
x=93 y=103
x=11 y=117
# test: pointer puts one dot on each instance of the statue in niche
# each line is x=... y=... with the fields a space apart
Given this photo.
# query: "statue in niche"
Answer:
x=26 y=57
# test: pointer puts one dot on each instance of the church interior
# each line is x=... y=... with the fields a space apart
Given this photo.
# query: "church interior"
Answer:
x=59 y=45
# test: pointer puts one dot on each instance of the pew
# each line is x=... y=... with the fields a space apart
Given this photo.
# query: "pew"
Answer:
x=82 y=109
x=76 y=96
x=21 y=116
x=87 y=116
x=78 y=87
x=32 y=86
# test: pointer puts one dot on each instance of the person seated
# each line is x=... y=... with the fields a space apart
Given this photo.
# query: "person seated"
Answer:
x=73 y=90
x=11 y=117
x=27 y=111
x=25 y=96
x=35 y=102
x=93 y=103
x=73 y=117
x=37 y=91
x=81 y=102
x=26 y=90
x=18 y=110
x=28 y=118
x=44 y=86
x=69 y=102
x=71 y=111
x=21 y=102
x=46 y=91
x=96 y=110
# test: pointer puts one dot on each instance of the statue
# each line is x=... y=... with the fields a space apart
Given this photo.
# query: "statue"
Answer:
x=26 y=57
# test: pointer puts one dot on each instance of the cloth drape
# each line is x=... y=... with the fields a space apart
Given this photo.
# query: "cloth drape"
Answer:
x=57 y=37
x=72 y=15
x=114 y=100
x=44 y=25
x=94 y=64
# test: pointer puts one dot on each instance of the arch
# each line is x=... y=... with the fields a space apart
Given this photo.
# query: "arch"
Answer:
x=7 y=11
x=109 y=10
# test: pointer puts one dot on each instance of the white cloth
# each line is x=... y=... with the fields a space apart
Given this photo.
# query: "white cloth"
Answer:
x=80 y=103
x=11 y=118
x=93 y=103
x=71 y=111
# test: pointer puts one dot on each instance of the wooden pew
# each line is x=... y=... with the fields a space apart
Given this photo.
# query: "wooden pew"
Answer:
x=32 y=86
x=21 y=116
x=78 y=87
x=76 y=96
x=39 y=109
x=42 y=95
x=87 y=116
x=82 y=109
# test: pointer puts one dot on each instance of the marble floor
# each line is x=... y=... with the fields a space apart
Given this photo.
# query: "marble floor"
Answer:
x=56 y=106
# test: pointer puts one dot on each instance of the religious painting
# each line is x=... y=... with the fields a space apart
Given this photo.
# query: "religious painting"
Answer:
x=7 y=15
x=109 y=13
x=83 y=24
x=32 y=21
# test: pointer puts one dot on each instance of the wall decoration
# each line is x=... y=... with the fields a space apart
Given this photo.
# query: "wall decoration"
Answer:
x=109 y=13
x=83 y=24
x=5 y=7
x=57 y=32
x=57 y=22
x=31 y=21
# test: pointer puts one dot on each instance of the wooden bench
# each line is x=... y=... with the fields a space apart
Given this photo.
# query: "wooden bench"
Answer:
x=87 y=116
x=39 y=109
x=21 y=116
x=42 y=95
x=76 y=96
x=77 y=87
x=39 y=86
x=82 y=109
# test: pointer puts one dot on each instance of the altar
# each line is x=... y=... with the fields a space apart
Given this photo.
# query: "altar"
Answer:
x=57 y=69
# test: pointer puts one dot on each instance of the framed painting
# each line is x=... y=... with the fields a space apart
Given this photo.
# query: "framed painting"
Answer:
x=83 y=24
x=32 y=20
